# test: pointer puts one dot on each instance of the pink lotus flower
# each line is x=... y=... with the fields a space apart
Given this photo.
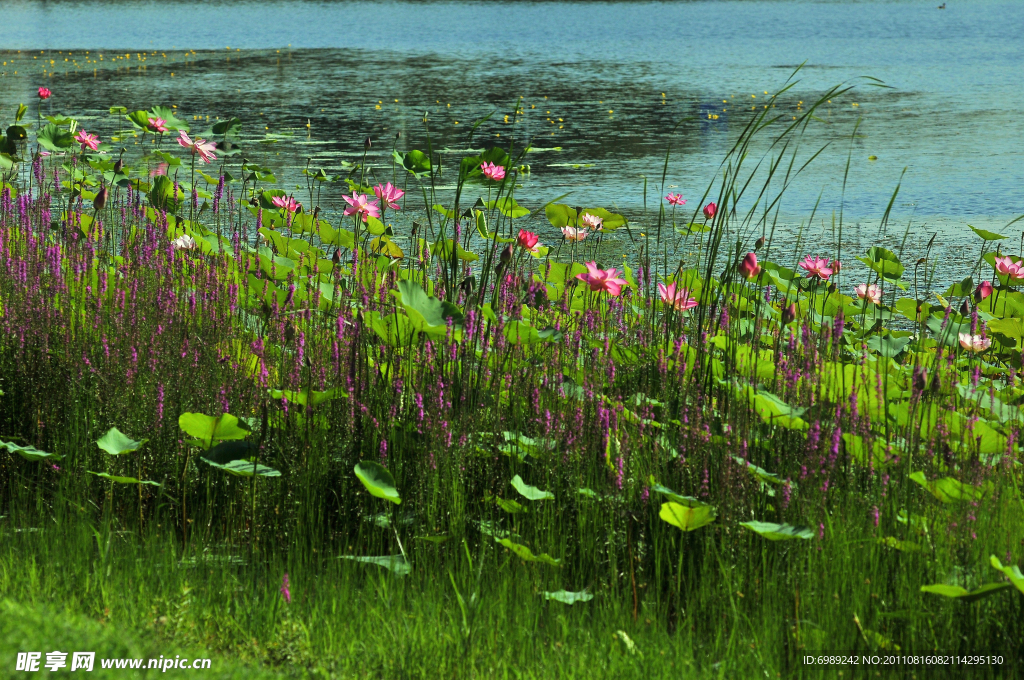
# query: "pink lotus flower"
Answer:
x=359 y=204
x=749 y=268
x=983 y=290
x=872 y=293
x=1007 y=267
x=389 y=194
x=44 y=93
x=160 y=169
x=87 y=140
x=574 y=234
x=836 y=266
x=184 y=242
x=527 y=239
x=286 y=202
x=157 y=125
x=675 y=199
x=595 y=222
x=678 y=298
x=599 y=279
x=974 y=343
x=817 y=266
x=709 y=210
x=493 y=172
x=199 y=146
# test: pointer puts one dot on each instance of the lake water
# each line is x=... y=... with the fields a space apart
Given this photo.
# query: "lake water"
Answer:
x=604 y=81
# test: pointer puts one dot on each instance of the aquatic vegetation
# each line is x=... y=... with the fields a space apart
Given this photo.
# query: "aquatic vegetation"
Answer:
x=311 y=393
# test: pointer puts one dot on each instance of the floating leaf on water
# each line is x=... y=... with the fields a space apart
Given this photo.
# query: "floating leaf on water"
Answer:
x=530 y=492
x=687 y=518
x=28 y=452
x=377 y=480
x=567 y=597
x=121 y=480
x=116 y=442
x=395 y=563
x=961 y=593
x=527 y=555
x=778 y=532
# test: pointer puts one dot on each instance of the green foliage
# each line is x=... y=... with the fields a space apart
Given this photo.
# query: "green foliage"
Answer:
x=244 y=468
x=205 y=430
x=121 y=480
x=397 y=564
x=28 y=452
x=566 y=597
x=525 y=554
x=53 y=138
x=116 y=442
x=778 y=532
x=531 y=492
x=377 y=480
x=685 y=517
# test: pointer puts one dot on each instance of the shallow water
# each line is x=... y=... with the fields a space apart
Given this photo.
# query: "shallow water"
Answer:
x=615 y=77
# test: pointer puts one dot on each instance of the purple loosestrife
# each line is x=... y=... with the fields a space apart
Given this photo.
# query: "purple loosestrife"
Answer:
x=285 y=591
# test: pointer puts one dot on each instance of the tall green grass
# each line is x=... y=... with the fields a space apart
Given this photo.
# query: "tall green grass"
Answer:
x=547 y=442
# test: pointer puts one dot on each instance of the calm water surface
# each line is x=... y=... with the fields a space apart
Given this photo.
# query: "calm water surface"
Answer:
x=606 y=82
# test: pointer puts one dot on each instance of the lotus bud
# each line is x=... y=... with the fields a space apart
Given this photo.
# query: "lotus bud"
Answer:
x=709 y=210
x=366 y=143
x=836 y=266
x=100 y=201
x=749 y=268
x=789 y=314
x=759 y=243
x=965 y=309
x=506 y=254
x=983 y=290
